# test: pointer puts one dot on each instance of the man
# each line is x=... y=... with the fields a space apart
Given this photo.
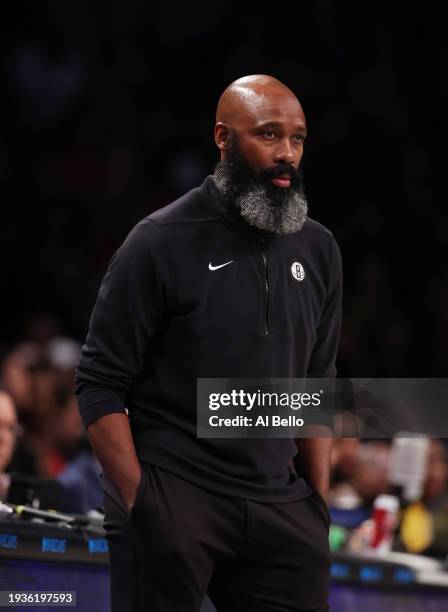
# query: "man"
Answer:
x=230 y=281
x=8 y=437
x=17 y=486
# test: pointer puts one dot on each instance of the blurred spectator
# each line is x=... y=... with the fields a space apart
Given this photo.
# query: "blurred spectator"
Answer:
x=8 y=435
x=17 y=376
x=16 y=487
x=435 y=494
x=32 y=381
x=344 y=463
x=424 y=522
x=39 y=377
x=435 y=500
x=371 y=478
x=344 y=460
x=81 y=482
x=360 y=472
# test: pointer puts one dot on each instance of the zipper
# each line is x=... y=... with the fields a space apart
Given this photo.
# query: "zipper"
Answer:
x=264 y=254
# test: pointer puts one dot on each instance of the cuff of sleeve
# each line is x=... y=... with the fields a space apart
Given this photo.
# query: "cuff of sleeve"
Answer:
x=95 y=403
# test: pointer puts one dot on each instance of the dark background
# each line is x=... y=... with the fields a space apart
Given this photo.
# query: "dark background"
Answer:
x=107 y=112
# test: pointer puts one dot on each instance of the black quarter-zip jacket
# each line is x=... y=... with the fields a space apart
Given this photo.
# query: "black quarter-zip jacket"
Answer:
x=196 y=292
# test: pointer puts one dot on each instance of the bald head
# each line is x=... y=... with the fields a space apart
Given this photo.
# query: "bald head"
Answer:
x=252 y=94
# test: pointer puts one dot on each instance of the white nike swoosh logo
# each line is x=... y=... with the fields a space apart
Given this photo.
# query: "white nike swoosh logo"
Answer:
x=210 y=267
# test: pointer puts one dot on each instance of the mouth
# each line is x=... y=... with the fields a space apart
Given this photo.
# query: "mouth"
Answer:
x=283 y=181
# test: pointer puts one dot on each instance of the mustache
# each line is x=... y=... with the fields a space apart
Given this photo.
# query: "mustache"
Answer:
x=281 y=169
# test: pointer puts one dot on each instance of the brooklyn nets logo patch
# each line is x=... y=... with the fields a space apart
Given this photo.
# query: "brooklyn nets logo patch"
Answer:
x=298 y=271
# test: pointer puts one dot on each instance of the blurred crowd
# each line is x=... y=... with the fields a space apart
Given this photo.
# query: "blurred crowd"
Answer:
x=362 y=472
x=45 y=457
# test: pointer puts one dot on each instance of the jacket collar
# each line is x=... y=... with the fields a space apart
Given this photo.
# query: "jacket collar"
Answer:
x=216 y=202
x=228 y=213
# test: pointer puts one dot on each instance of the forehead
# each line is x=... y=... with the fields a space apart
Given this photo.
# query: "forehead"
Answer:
x=273 y=107
x=7 y=412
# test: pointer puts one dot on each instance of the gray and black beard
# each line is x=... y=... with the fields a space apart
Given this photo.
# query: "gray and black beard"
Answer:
x=260 y=202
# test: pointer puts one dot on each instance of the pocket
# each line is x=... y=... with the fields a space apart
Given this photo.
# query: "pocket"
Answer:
x=141 y=490
x=322 y=504
x=112 y=493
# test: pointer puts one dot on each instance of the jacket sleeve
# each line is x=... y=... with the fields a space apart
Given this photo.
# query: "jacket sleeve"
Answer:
x=128 y=312
x=322 y=362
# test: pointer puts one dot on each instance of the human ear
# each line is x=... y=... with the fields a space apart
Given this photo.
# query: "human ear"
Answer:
x=222 y=133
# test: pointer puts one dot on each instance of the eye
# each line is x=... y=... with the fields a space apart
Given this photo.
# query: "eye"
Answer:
x=299 y=138
x=269 y=134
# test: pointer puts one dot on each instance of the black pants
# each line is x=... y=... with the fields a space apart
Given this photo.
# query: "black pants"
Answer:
x=181 y=541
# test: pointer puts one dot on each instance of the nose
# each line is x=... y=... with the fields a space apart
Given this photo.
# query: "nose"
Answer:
x=285 y=152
